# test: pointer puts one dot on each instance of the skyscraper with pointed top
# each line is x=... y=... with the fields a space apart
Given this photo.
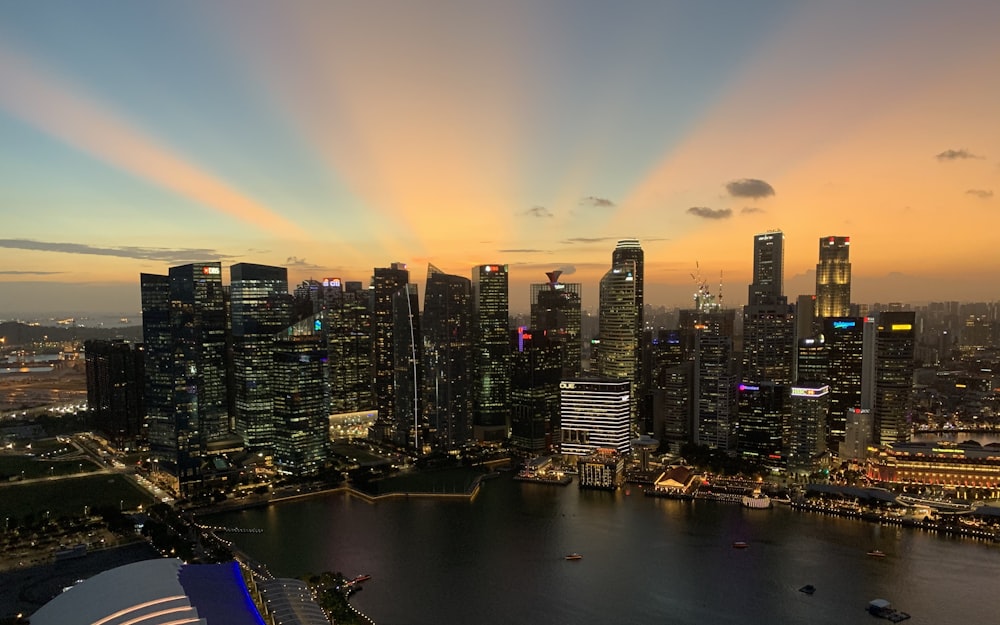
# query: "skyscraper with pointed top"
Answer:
x=556 y=309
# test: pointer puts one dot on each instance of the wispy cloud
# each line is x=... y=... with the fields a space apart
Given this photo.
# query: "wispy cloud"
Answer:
x=30 y=273
x=300 y=263
x=982 y=194
x=523 y=250
x=586 y=240
x=597 y=202
x=954 y=155
x=750 y=210
x=139 y=253
x=710 y=213
x=538 y=211
x=749 y=187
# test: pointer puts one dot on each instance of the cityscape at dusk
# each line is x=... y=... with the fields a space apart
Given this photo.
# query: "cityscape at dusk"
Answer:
x=332 y=138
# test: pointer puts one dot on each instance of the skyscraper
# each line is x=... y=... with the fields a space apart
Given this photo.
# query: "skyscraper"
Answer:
x=115 y=379
x=407 y=347
x=833 y=277
x=260 y=308
x=300 y=398
x=618 y=356
x=385 y=283
x=895 y=341
x=768 y=267
x=715 y=380
x=844 y=338
x=809 y=404
x=534 y=395
x=492 y=353
x=556 y=309
x=594 y=413
x=763 y=416
x=446 y=327
x=629 y=250
x=184 y=330
x=349 y=343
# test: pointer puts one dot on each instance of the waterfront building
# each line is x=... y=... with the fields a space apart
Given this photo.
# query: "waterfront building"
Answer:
x=534 y=392
x=806 y=432
x=115 y=386
x=447 y=359
x=593 y=413
x=895 y=341
x=672 y=405
x=348 y=329
x=555 y=309
x=858 y=430
x=602 y=469
x=186 y=394
x=301 y=400
x=386 y=282
x=833 y=277
x=715 y=380
x=763 y=410
x=492 y=352
x=969 y=466
x=618 y=354
x=628 y=252
x=260 y=307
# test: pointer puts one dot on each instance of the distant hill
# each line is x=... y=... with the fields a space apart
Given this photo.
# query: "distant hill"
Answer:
x=16 y=333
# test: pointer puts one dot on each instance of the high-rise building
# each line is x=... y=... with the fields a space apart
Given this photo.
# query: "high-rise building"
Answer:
x=768 y=267
x=594 y=413
x=386 y=282
x=895 y=341
x=407 y=346
x=844 y=338
x=763 y=417
x=260 y=307
x=715 y=379
x=301 y=399
x=115 y=386
x=492 y=351
x=625 y=252
x=184 y=330
x=618 y=356
x=808 y=405
x=446 y=326
x=534 y=393
x=556 y=309
x=349 y=343
x=833 y=277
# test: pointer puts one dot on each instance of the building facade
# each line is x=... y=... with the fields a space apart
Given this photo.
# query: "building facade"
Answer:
x=492 y=352
x=833 y=277
x=593 y=413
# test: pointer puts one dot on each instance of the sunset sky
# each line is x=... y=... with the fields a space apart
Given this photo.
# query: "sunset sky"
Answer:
x=333 y=137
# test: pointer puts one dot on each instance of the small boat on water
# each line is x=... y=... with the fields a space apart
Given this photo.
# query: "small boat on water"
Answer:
x=740 y=544
x=361 y=578
x=808 y=589
x=876 y=553
x=574 y=556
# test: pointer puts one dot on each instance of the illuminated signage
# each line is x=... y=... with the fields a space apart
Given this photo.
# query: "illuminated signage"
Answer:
x=747 y=387
x=840 y=325
x=901 y=327
x=210 y=271
x=567 y=385
x=491 y=268
x=334 y=282
x=317 y=325
x=801 y=391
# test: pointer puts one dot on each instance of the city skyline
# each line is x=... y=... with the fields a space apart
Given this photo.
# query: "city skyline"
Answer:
x=332 y=139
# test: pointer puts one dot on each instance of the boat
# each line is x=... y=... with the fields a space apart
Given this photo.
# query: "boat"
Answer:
x=574 y=556
x=808 y=589
x=876 y=553
x=361 y=578
x=756 y=500
x=740 y=544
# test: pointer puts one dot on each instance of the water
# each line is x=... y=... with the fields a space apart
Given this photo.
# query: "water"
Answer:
x=499 y=559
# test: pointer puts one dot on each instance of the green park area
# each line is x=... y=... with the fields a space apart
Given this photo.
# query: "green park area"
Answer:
x=17 y=467
x=69 y=496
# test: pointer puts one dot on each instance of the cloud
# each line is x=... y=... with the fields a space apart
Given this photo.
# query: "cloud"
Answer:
x=749 y=187
x=710 y=213
x=538 y=211
x=30 y=273
x=750 y=210
x=139 y=253
x=597 y=202
x=573 y=240
x=300 y=263
x=567 y=270
x=526 y=250
x=982 y=194
x=954 y=155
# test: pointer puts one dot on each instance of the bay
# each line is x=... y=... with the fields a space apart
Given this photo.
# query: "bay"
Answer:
x=500 y=559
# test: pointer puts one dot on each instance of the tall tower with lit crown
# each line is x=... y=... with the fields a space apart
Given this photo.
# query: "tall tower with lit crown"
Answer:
x=833 y=277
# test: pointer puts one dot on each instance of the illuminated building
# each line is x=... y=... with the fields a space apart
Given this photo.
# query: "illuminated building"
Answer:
x=715 y=380
x=349 y=344
x=812 y=360
x=858 y=429
x=594 y=413
x=185 y=337
x=618 y=356
x=844 y=339
x=115 y=379
x=808 y=405
x=555 y=309
x=260 y=308
x=629 y=251
x=893 y=382
x=967 y=465
x=833 y=277
x=448 y=358
x=492 y=353
x=407 y=346
x=763 y=415
x=385 y=283
x=768 y=320
x=602 y=469
x=768 y=267
x=301 y=400
x=534 y=391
